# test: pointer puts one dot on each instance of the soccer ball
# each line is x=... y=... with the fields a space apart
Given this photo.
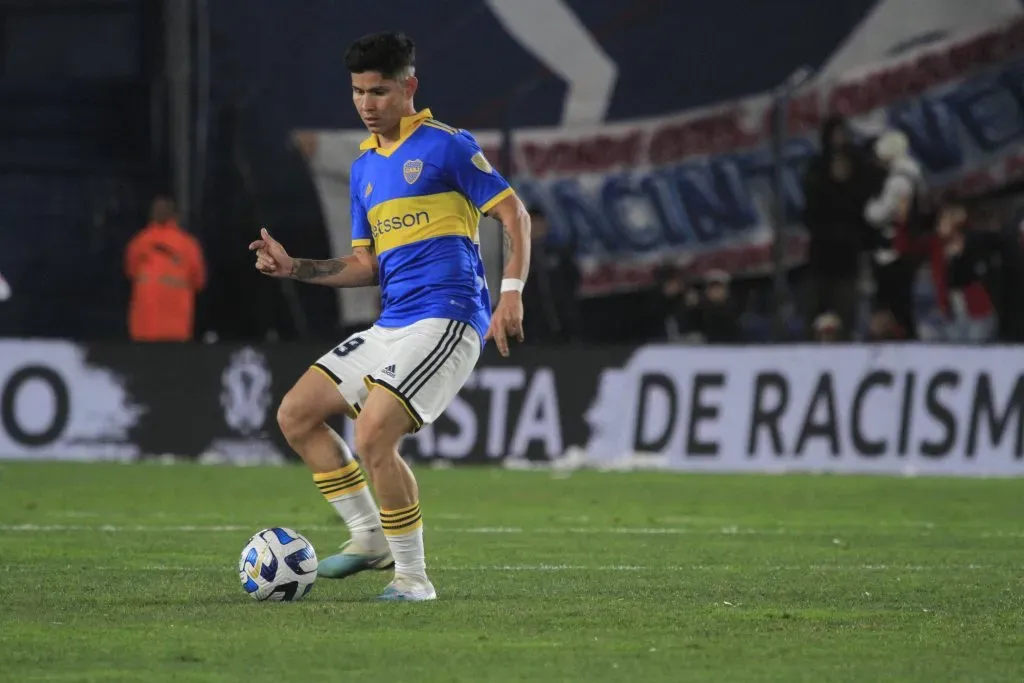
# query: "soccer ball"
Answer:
x=277 y=564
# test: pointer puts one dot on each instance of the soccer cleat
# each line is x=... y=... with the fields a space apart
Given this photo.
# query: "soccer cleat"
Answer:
x=405 y=590
x=352 y=561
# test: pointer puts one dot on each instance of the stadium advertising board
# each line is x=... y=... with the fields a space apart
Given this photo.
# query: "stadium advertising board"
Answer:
x=860 y=409
x=53 y=401
x=696 y=185
x=68 y=401
x=882 y=409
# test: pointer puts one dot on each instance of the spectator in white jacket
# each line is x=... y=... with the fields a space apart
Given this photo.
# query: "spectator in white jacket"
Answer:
x=893 y=214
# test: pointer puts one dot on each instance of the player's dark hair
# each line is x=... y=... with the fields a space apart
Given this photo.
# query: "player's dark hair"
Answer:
x=389 y=53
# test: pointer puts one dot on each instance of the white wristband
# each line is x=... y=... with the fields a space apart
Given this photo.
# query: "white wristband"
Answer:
x=511 y=284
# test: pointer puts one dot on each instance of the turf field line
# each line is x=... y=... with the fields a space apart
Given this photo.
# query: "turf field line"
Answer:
x=550 y=568
x=705 y=568
x=692 y=521
x=721 y=531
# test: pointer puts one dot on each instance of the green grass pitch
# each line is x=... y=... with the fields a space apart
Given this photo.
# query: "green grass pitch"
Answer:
x=129 y=573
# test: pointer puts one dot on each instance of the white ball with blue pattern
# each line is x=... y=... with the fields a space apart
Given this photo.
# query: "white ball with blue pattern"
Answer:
x=278 y=564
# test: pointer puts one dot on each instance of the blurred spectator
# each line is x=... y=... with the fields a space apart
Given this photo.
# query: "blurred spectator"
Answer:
x=966 y=307
x=984 y=266
x=883 y=327
x=837 y=185
x=719 y=319
x=549 y=298
x=681 y=305
x=5 y=289
x=895 y=213
x=827 y=328
x=694 y=317
x=166 y=267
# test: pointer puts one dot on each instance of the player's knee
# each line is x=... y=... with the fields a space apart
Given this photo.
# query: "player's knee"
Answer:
x=371 y=437
x=295 y=418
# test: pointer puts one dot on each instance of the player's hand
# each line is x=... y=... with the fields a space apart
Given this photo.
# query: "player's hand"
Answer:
x=507 y=321
x=271 y=257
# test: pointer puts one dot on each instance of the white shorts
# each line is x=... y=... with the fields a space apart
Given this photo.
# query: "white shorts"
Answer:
x=423 y=365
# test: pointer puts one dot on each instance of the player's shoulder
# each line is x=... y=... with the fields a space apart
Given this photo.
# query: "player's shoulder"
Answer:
x=447 y=135
x=360 y=161
x=431 y=124
x=358 y=169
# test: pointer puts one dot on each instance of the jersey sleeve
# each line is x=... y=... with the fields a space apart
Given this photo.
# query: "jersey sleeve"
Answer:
x=471 y=174
x=361 y=235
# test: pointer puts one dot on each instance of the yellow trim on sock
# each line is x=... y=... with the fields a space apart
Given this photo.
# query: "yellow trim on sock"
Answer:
x=398 y=522
x=335 y=491
x=399 y=511
x=400 y=531
x=335 y=474
x=332 y=496
x=403 y=521
x=339 y=481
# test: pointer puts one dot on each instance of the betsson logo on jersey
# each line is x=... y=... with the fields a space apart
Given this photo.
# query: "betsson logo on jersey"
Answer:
x=409 y=220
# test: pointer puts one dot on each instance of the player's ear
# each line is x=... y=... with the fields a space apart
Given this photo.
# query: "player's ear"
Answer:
x=411 y=85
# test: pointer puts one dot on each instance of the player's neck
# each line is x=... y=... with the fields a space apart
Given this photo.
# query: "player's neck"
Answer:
x=392 y=136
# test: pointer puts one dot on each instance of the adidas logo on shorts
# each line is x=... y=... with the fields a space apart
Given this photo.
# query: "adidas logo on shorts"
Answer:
x=389 y=371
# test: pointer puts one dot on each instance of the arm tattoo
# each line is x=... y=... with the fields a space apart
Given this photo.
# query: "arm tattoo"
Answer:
x=508 y=250
x=307 y=269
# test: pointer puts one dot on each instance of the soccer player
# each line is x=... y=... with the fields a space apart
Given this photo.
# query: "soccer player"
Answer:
x=417 y=191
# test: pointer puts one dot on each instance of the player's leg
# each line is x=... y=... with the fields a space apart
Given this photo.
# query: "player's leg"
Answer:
x=379 y=428
x=413 y=386
x=302 y=417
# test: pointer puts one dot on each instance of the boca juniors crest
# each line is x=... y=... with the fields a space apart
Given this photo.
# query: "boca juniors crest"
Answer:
x=411 y=170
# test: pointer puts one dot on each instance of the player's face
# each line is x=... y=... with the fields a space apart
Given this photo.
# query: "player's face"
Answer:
x=381 y=102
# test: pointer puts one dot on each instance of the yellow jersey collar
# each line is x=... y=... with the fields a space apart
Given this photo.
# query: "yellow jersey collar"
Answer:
x=406 y=128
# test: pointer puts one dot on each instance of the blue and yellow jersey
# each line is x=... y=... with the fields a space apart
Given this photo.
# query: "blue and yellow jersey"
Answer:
x=419 y=204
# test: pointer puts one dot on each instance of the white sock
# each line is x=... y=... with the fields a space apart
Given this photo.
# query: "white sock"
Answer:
x=346 y=490
x=404 y=531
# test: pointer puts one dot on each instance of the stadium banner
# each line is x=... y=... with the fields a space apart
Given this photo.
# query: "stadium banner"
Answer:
x=695 y=186
x=885 y=409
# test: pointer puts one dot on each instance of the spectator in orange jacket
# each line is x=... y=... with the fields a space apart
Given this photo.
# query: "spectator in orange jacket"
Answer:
x=166 y=267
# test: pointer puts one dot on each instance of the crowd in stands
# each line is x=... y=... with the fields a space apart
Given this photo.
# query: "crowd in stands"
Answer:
x=888 y=259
